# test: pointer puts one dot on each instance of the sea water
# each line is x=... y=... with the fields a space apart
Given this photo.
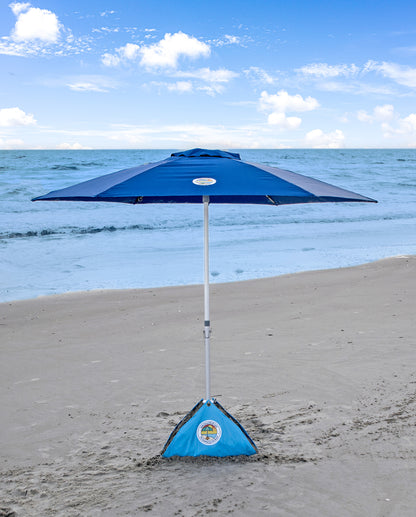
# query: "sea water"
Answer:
x=55 y=247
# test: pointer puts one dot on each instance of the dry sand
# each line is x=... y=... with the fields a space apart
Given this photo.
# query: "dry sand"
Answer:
x=319 y=367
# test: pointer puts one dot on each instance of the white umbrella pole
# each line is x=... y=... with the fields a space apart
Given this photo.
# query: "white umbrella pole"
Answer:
x=207 y=324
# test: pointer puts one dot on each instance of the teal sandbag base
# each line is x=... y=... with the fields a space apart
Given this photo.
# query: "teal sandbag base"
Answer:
x=209 y=430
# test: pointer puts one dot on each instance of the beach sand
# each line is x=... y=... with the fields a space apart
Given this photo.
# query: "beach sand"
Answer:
x=319 y=367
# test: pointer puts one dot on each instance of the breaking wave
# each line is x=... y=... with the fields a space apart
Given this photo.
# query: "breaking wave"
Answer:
x=74 y=231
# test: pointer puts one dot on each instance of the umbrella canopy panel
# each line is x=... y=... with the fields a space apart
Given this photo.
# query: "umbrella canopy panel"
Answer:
x=188 y=176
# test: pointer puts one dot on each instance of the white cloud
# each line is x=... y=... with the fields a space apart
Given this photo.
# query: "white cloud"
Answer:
x=194 y=135
x=404 y=75
x=189 y=86
x=75 y=146
x=164 y=54
x=129 y=52
x=221 y=75
x=258 y=74
x=38 y=32
x=408 y=124
x=363 y=116
x=107 y=30
x=11 y=143
x=215 y=79
x=212 y=89
x=211 y=82
x=11 y=117
x=110 y=60
x=107 y=13
x=278 y=104
x=228 y=39
x=323 y=70
x=18 y=7
x=391 y=124
x=180 y=87
x=34 y=24
x=382 y=113
x=405 y=127
x=80 y=83
x=280 y=119
x=283 y=102
x=168 y=51
x=85 y=87
x=320 y=140
x=349 y=77
x=356 y=88
x=231 y=40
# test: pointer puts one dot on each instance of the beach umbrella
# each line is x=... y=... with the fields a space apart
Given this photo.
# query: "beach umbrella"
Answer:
x=206 y=176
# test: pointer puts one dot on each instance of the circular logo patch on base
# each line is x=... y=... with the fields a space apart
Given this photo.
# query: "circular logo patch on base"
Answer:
x=209 y=432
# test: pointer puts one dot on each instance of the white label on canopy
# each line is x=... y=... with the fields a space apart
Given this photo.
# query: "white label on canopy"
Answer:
x=204 y=181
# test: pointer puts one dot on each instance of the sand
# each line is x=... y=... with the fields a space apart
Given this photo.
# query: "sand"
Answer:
x=319 y=367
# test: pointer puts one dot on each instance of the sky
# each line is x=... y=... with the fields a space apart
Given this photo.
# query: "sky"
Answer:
x=176 y=74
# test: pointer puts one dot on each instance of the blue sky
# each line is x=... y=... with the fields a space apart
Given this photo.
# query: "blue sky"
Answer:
x=192 y=73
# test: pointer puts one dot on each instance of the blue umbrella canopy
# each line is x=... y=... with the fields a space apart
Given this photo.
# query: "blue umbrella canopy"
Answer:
x=186 y=176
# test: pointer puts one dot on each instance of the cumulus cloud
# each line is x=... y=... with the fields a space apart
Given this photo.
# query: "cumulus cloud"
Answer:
x=18 y=7
x=38 y=32
x=277 y=105
x=164 y=54
x=408 y=124
x=405 y=126
x=110 y=60
x=128 y=52
x=34 y=24
x=11 y=117
x=280 y=119
x=391 y=123
x=320 y=140
x=282 y=102
x=382 y=113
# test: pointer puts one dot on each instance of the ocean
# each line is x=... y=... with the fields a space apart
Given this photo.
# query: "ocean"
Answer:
x=56 y=247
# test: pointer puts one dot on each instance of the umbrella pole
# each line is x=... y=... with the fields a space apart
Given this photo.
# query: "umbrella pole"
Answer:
x=207 y=323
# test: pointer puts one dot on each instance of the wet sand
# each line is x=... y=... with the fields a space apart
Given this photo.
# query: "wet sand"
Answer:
x=319 y=367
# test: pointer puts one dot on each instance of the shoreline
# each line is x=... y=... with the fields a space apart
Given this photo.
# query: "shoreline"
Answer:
x=196 y=285
x=318 y=367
